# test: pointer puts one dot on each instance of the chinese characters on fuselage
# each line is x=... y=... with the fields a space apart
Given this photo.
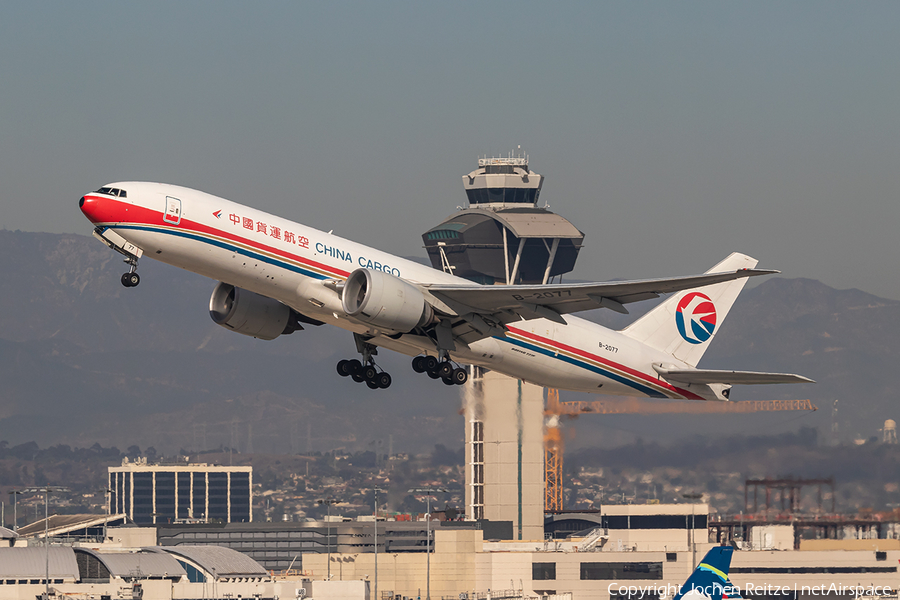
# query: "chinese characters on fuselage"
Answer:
x=291 y=237
x=272 y=231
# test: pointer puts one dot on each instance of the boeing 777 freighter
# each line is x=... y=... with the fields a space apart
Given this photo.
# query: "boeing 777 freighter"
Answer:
x=276 y=275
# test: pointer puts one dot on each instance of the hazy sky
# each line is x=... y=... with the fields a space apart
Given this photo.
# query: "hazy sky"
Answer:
x=671 y=133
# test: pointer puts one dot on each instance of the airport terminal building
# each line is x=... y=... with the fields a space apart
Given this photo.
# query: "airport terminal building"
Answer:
x=597 y=555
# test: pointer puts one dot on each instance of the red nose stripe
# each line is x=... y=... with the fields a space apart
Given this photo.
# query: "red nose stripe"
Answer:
x=99 y=209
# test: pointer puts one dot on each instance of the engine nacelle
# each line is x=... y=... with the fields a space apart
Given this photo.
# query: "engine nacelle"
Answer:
x=385 y=301
x=248 y=313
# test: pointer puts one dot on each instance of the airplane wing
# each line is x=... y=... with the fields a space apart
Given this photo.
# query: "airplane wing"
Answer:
x=551 y=301
x=729 y=377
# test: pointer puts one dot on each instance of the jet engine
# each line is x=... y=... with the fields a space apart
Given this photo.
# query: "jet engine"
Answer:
x=248 y=313
x=385 y=301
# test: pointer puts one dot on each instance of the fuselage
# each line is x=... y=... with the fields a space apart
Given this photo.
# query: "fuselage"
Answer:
x=288 y=261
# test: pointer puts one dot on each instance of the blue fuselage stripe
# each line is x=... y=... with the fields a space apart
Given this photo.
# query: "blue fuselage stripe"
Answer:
x=584 y=365
x=230 y=247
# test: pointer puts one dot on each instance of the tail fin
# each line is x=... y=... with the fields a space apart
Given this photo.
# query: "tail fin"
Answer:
x=685 y=323
x=710 y=579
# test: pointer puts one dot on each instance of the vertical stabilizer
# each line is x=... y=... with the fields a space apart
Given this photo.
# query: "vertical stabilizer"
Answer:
x=685 y=324
x=710 y=579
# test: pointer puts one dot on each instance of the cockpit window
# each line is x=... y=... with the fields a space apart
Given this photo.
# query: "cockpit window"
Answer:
x=113 y=192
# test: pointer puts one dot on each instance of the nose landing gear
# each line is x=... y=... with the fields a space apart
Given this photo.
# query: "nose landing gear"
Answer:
x=131 y=278
x=131 y=253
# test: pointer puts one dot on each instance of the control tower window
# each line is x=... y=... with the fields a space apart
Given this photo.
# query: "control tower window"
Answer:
x=495 y=194
x=477 y=196
x=442 y=234
x=502 y=195
x=446 y=231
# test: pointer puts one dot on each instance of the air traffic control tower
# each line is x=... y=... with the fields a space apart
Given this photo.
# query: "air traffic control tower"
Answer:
x=503 y=237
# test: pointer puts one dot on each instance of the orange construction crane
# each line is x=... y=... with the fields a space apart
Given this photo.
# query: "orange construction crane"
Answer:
x=553 y=455
x=553 y=439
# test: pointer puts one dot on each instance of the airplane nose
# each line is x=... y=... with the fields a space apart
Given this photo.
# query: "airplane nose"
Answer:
x=91 y=207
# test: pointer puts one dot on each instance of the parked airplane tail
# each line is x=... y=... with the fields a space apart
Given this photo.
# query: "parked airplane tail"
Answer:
x=710 y=579
x=686 y=323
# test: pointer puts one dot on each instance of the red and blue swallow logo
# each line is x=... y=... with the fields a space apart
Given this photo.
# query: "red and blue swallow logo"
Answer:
x=218 y=214
x=695 y=318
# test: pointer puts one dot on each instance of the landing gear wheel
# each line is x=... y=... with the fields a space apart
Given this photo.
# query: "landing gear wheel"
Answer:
x=369 y=373
x=354 y=366
x=343 y=368
x=418 y=364
x=130 y=279
x=430 y=363
x=383 y=380
x=357 y=377
x=372 y=385
x=459 y=376
x=433 y=375
x=445 y=369
x=447 y=381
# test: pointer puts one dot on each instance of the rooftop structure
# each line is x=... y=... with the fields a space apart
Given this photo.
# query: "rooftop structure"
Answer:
x=145 y=563
x=7 y=535
x=280 y=546
x=72 y=526
x=156 y=573
x=216 y=563
x=32 y=564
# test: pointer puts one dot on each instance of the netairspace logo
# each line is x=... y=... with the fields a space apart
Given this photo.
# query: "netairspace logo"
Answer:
x=733 y=592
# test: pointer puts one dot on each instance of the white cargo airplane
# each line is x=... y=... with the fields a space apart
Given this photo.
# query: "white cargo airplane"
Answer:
x=275 y=275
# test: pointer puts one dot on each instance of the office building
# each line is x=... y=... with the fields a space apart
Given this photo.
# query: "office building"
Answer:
x=181 y=493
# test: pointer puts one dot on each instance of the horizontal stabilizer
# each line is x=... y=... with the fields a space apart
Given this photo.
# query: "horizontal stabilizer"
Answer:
x=706 y=376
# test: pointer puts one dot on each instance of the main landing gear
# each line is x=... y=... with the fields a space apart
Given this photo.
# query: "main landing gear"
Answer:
x=368 y=373
x=442 y=370
x=364 y=370
x=131 y=278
